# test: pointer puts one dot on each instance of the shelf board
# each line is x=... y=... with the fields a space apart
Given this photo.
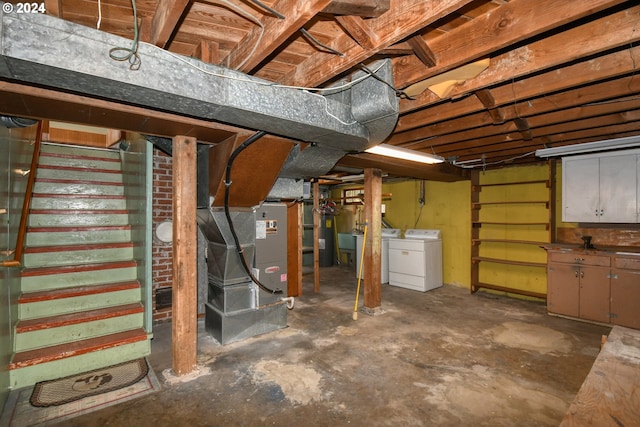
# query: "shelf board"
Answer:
x=477 y=259
x=478 y=187
x=476 y=286
x=477 y=205
x=521 y=242
x=480 y=223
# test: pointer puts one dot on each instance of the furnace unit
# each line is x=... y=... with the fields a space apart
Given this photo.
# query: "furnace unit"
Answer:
x=237 y=308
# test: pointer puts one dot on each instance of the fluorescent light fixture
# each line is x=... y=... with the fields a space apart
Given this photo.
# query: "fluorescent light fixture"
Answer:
x=404 y=154
x=589 y=147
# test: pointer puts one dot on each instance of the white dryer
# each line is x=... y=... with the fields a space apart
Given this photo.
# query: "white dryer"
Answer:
x=415 y=262
x=387 y=234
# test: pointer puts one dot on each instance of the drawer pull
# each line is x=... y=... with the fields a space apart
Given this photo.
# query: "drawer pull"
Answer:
x=405 y=252
x=578 y=259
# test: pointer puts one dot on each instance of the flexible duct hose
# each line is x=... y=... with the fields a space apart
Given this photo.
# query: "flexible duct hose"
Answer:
x=227 y=183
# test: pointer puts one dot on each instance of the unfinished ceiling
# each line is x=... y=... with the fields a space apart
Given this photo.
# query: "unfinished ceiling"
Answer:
x=482 y=83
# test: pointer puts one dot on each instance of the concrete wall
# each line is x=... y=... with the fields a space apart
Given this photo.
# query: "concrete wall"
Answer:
x=15 y=154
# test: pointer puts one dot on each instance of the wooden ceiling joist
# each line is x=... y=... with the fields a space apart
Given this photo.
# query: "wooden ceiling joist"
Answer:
x=484 y=95
x=407 y=17
x=165 y=20
x=259 y=43
x=533 y=89
x=507 y=25
x=563 y=48
x=359 y=30
x=363 y=8
x=422 y=51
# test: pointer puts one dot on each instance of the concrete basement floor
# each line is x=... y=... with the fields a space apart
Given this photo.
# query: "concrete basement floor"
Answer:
x=440 y=358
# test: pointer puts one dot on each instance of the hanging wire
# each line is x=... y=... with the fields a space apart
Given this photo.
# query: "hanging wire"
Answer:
x=268 y=9
x=399 y=93
x=129 y=54
x=317 y=42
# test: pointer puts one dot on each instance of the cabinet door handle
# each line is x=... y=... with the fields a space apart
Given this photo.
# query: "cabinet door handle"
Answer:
x=601 y=212
x=581 y=274
x=576 y=272
x=596 y=212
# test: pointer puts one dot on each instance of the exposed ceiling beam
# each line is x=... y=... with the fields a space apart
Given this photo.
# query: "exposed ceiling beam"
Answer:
x=165 y=20
x=422 y=51
x=405 y=18
x=506 y=25
x=359 y=30
x=589 y=101
x=484 y=95
x=586 y=128
x=570 y=45
x=259 y=44
x=604 y=67
x=364 y=8
x=39 y=103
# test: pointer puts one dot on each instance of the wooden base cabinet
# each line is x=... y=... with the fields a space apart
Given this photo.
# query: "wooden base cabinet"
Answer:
x=594 y=285
x=625 y=292
x=578 y=285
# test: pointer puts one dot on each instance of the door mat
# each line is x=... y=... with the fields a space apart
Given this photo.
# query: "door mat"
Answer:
x=76 y=387
x=19 y=412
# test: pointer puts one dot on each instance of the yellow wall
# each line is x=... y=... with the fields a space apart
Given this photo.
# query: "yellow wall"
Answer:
x=447 y=208
x=528 y=278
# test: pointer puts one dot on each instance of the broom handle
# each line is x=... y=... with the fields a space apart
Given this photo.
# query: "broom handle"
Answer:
x=364 y=243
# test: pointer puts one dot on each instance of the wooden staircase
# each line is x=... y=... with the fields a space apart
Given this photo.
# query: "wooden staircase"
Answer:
x=80 y=306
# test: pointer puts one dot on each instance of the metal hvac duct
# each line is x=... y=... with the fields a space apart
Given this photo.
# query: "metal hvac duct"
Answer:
x=38 y=49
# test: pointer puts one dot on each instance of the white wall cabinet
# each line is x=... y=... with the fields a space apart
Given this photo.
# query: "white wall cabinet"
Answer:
x=601 y=187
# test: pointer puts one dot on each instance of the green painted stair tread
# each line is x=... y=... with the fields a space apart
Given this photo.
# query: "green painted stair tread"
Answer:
x=79 y=174
x=65 y=333
x=77 y=318
x=54 y=302
x=54 y=294
x=56 y=159
x=71 y=217
x=67 y=235
x=63 y=351
x=30 y=374
x=46 y=278
x=79 y=247
x=64 y=186
x=70 y=150
x=41 y=256
x=77 y=201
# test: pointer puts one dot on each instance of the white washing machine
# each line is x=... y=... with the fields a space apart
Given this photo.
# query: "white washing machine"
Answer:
x=387 y=233
x=415 y=262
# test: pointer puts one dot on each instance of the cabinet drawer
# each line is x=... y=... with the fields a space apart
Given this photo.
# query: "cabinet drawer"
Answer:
x=628 y=263
x=579 y=258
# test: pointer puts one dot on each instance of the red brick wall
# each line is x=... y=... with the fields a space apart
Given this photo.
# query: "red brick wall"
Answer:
x=162 y=255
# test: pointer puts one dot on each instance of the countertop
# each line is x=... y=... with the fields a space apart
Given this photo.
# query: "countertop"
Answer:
x=597 y=250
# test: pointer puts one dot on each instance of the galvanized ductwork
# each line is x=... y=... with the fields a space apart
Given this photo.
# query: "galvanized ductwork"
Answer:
x=43 y=50
x=37 y=49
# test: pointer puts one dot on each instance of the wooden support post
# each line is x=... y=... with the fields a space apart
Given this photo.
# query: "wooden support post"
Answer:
x=373 y=245
x=316 y=237
x=185 y=283
x=294 y=250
